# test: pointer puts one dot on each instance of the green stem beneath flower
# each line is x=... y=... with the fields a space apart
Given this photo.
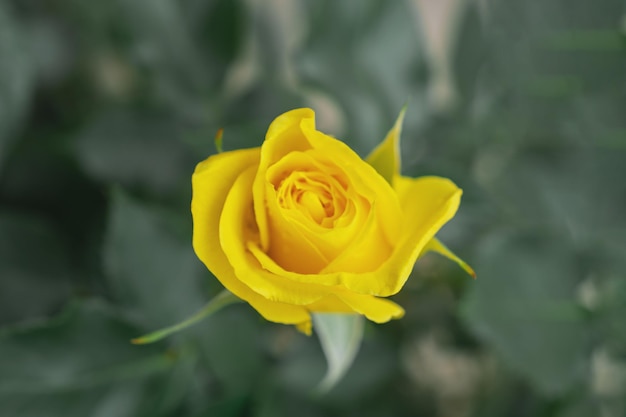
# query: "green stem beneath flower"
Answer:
x=217 y=303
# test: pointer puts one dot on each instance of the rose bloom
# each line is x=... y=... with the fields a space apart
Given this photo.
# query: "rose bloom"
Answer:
x=303 y=225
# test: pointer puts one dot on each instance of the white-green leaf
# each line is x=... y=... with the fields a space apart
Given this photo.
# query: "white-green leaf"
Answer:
x=340 y=336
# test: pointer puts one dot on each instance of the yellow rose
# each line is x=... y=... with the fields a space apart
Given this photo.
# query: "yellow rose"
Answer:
x=304 y=225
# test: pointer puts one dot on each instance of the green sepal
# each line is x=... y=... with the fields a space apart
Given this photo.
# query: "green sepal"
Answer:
x=435 y=245
x=385 y=158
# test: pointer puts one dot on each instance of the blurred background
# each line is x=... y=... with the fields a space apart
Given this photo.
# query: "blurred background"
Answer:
x=106 y=107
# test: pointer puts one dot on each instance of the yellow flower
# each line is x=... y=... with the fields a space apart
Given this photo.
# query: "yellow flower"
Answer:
x=304 y=225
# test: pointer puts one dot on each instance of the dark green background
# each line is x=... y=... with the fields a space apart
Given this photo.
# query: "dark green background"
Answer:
x=106 y=107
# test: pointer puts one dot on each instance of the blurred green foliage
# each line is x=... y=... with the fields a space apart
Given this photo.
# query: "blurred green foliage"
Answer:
x=106 y=107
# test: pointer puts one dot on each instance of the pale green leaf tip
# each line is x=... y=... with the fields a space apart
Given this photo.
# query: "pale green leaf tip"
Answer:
x=403 y=111
x=400 y=119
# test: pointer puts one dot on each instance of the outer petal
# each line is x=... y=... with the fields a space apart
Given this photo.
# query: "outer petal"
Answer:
x=238 y=237
x=211 y=182
x=428 y=203
x=283 y=136
x=378 y=310
x=330 y=304
x=375 y=309
x=368 y=250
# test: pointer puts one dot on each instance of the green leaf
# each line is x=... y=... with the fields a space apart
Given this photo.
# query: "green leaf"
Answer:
x=340 y=336
x=162 y=42
x=564 y=192
x=44 y=180
x=220 y=26
x=149 y=270
x=386 y=158
x=16 y=77
x=611 y=291
x=30 y=289
x=236 y=359
x=157 y=276
x=78 y=364
x=136 y=149
x=232 y=407
x=524 y=306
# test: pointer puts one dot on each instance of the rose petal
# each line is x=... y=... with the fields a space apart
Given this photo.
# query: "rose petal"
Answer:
x=367 y=182
x=236 y=235
x=378 y=310
x=375 y=309
x=367 y=251
x=300 y=244
x=211 y=183
x=283 y=136
x=298 y=248
x=428 y=203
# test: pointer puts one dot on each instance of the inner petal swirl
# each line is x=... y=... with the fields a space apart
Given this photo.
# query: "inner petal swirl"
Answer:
x=313 y=209
x=312 y=196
